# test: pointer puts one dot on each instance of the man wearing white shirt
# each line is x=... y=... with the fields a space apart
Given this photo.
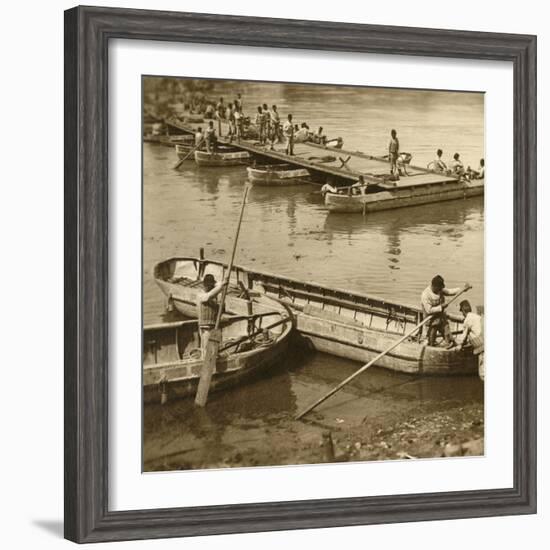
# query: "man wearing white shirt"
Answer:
x=473 y=334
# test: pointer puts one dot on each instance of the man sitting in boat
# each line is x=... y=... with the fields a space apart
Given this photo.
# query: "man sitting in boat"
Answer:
x=478 y=174
x=359 y=187
x=207 y=307
x=328 y=188
x=438 y=165
x=302 y=135
x=432 y=302
x=456 y=166
x=211 y=138
x=473 y=334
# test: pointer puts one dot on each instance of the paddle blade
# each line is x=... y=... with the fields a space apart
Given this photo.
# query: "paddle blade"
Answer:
x=208 y=367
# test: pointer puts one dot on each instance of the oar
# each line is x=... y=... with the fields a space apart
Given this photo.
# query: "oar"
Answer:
x=188 y=155
x=372 y=361
x=214 y=339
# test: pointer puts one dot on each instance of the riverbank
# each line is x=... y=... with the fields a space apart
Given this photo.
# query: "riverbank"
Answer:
x=383 y=416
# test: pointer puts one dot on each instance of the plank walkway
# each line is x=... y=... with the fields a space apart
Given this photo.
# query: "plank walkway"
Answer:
x=340 y=163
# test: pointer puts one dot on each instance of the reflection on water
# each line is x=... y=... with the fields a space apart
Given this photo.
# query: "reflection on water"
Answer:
x=390 y=254
x=286 y=231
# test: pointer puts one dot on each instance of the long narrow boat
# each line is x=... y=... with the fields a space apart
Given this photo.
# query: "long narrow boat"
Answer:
x=277 y=174
x=172 y=357
x=222 y=157
x=405 y=192
x=335 y=321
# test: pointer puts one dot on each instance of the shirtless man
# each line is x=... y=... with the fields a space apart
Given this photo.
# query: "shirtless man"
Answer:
x=393 y=150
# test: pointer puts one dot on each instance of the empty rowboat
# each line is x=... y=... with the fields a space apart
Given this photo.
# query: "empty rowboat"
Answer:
x=335 y=321
x=172 y=356
x=226 y=156
x=277 y=174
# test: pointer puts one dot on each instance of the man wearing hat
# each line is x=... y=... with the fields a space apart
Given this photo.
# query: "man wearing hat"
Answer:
x=433 y=303
x=207 y=307
x=473 y=334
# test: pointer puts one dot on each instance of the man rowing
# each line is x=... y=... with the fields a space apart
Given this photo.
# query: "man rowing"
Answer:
x=207 y=307
x=473 y=334
x=432 y=302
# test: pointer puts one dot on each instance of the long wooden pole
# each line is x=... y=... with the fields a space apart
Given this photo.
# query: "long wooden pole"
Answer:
x=372 y=361
x=214 y=339
x=188 y=155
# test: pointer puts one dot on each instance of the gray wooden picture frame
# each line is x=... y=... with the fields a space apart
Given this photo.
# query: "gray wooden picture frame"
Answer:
x=87 y=34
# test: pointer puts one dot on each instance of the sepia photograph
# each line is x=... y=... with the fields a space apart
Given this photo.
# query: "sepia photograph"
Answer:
x=313 y=273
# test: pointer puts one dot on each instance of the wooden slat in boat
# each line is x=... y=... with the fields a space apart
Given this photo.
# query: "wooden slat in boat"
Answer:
x=172 y=358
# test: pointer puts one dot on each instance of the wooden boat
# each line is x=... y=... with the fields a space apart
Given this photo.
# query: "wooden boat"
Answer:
x=408 y=191
x=183 y=150
x=224 y=156
x=277 y=174
x=172 y=358
x=335 y=321
x=180 y=280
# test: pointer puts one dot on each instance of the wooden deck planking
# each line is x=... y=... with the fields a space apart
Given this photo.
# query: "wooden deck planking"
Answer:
x=309 y=155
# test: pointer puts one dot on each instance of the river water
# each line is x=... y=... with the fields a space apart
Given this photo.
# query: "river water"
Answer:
x=286 y=231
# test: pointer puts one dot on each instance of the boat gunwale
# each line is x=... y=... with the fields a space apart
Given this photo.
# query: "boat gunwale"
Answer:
x=416 y=309
x=235 y=357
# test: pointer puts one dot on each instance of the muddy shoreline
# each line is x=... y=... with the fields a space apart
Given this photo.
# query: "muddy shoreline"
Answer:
x=383 y=416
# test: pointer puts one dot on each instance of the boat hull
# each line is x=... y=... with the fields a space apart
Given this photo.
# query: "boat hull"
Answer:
x=335 y=321
x=179 y=379
x=361 y=344
x=237 y=158
x=402 y=197
x=273 y=177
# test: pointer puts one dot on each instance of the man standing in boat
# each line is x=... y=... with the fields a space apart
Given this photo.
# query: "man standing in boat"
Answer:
x=473 y=334
x=393 y=150
x=199 y=138
x=207 y=306
x=433 y=303
x=210 y=137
